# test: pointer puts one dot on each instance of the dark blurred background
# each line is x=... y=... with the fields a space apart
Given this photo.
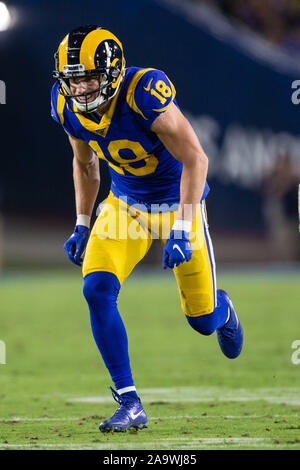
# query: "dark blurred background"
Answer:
x=233 y=63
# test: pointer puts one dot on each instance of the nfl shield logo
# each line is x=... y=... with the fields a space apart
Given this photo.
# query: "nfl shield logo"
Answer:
x=101 y=131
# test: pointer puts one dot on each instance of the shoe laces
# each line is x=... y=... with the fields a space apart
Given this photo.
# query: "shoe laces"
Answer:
x=117 y=397
x=122 y=410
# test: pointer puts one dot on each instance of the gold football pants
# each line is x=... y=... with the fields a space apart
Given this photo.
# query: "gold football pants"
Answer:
x=122 y=235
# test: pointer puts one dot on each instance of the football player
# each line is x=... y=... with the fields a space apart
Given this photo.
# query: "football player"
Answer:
x=130 y=118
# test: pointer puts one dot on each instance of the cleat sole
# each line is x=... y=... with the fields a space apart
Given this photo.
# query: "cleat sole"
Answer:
x=118 y=429
x=139 y=426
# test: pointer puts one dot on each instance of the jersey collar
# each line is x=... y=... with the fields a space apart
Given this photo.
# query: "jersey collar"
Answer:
x=102 y=127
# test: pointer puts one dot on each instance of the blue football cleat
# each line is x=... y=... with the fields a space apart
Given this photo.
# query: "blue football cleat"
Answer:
x=230 y=336
x=130 y=414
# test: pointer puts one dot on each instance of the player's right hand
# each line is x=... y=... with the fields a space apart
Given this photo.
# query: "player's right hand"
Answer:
x=177 y=250
x=75 y=246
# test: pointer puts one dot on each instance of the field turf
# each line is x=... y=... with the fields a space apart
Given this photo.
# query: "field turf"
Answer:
x=54 y=387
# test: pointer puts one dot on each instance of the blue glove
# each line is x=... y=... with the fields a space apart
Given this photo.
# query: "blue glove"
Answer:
x=75 y=246
x=177 y=250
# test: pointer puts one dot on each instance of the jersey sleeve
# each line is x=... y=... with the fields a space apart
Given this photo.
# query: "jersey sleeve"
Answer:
x=58 y=110
x=151 y=95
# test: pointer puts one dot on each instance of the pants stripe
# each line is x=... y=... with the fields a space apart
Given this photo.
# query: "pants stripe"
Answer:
x=210 y=251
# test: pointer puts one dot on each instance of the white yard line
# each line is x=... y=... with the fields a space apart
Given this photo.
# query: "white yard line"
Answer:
x=25 y=418
x=289 y=396
x=151 y=418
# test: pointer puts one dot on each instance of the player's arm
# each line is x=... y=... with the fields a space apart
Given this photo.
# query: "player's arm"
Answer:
x=86 y=177
x=179 y=138
x=153 y=99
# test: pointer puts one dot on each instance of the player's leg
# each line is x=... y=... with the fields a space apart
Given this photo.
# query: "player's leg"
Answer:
x=101 y=290
x=206 y=308
x=111 y=254
x=197 y=281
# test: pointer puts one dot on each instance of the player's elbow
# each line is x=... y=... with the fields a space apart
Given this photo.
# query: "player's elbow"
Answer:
x=88 y=167
x=201 y=163
x=198 y=162
x=203 y=160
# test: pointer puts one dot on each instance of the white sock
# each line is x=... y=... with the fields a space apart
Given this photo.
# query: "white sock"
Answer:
x=126 y=389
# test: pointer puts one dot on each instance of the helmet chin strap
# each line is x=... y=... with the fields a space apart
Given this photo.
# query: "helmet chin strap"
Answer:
x=98 y=101
x=91 y=106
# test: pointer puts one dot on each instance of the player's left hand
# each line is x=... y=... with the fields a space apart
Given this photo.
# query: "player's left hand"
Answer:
x=177 y=250
x=75 y=246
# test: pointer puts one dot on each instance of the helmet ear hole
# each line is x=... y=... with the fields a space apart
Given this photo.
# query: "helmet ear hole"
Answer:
x=115 y=73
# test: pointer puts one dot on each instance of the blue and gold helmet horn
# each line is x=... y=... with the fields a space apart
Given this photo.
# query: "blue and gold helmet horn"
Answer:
x=90 y=51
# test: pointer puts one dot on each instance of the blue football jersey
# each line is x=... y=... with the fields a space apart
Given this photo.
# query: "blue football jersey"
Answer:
x=142 y=170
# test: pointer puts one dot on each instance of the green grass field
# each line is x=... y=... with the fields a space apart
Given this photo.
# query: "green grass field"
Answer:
x=54 y=387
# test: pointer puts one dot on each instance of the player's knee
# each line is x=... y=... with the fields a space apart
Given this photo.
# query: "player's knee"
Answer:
x=204 y=324
x=101 y=290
